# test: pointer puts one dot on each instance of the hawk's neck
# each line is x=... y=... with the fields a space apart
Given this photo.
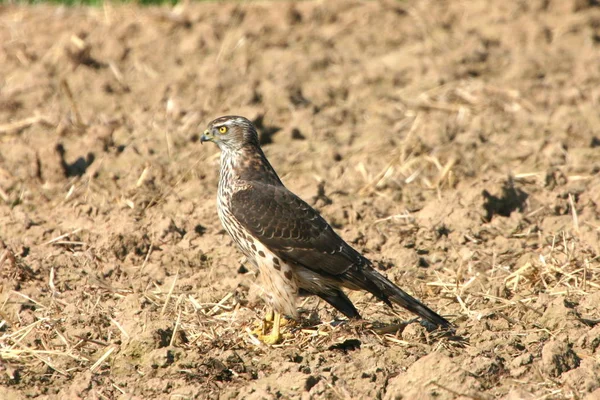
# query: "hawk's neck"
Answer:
x=248 y=164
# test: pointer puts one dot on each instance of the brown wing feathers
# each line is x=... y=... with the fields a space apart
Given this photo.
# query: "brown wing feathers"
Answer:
x=297 y=233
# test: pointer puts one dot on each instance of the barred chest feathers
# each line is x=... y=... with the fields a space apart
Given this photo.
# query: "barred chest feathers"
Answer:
x=227 y=186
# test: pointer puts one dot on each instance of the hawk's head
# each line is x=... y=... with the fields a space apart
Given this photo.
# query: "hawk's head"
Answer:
x=230 y=133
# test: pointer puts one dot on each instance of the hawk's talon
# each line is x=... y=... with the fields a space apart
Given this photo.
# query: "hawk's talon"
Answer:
x=271 y=339
x=274 y=320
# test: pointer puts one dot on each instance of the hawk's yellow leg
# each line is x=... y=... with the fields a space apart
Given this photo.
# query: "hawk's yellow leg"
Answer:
x=275 y=336
x=274 y=321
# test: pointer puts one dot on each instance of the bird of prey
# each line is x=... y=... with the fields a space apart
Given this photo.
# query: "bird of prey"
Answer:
x=294 y=249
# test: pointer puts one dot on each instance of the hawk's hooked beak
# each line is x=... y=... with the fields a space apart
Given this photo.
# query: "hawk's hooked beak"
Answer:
x=206 y=137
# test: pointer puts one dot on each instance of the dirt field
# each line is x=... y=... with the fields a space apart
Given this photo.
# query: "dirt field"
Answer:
x=456 y=144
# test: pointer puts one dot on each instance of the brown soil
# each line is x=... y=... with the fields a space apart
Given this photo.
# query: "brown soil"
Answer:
x=456 y=144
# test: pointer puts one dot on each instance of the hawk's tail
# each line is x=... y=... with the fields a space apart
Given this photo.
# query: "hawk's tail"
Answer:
x=388 y=292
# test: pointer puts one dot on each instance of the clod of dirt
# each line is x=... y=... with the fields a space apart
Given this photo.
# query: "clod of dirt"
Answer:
x=558 y=357
x=12 y=271
x=77 y=389
x=590 y=340
x=589 y=306
x=587 y=376
x=163 y=337
x=218 y=370
x=375 y=241
x=520 y=365
x=560 y=315
x=503 y=201
x=414 y=333
x=135 y=244
x=162 y=358
x=524 y=359
x=491 y=368
x=297 y=97
x=167 y=227
x=434 y=376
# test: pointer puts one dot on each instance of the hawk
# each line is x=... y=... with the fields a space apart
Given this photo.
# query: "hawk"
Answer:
x=294 y=249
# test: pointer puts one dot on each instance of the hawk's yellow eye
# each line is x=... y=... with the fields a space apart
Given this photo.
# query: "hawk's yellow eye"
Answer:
x=223 y=129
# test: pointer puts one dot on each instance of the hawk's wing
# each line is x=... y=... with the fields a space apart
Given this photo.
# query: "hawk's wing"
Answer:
x=292 y=229
x=297 y=233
